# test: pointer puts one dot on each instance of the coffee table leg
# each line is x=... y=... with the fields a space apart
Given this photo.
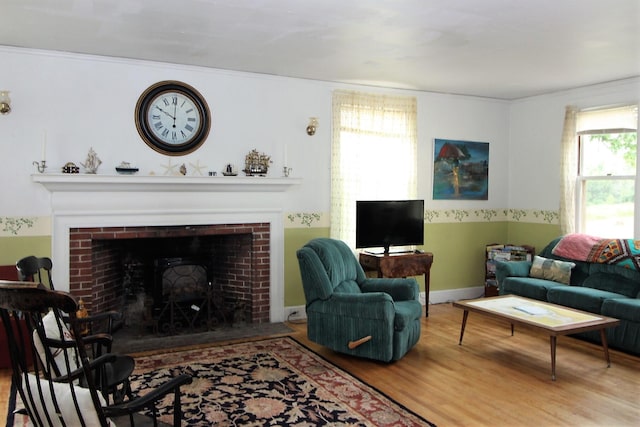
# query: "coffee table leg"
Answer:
x=464 y=323
x=554 y=340
x=605 y=347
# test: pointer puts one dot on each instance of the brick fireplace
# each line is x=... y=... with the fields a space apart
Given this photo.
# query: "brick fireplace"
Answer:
x=237 y=254
x=90 y=210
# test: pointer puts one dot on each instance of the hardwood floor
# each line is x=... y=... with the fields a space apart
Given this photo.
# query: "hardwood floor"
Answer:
x=494 y=379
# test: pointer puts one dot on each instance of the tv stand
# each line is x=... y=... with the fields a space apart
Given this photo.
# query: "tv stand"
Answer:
x=400 y=264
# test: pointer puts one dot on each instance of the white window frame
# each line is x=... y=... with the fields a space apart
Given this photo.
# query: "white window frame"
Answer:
x=606 y=121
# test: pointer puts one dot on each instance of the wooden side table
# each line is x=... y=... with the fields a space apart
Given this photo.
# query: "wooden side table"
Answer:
x=400 y=265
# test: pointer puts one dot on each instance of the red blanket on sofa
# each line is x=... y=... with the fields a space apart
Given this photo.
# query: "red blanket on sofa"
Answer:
x=581 y=247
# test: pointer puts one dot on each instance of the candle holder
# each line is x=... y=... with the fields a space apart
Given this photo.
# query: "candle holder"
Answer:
x=41 y=165
x=286 y=171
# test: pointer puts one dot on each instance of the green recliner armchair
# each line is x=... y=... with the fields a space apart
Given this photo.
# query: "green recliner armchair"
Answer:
x=350 y=313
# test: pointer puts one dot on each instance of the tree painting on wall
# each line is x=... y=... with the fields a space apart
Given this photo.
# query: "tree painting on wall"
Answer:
x=460 y=170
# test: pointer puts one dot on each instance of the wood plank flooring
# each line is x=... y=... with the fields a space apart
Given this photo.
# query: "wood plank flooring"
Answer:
x=494 y=379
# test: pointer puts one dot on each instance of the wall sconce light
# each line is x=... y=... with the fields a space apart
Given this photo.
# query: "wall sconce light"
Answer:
x=312 y=126
x=5 y=102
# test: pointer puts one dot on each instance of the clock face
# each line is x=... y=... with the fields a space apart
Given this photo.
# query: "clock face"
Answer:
x=172 y=118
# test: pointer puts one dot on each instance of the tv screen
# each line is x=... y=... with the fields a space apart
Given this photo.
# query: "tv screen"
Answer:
x=385 y=223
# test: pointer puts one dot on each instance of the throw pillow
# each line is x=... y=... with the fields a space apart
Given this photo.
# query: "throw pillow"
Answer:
x=62 y=392
x=50 y=325
x=551 y=269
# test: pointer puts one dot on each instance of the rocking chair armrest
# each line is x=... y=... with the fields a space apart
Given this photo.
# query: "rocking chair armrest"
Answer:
x=99 y=342
x=93 y=365
x=106 y=317
x=101 y=339
x=141 y=402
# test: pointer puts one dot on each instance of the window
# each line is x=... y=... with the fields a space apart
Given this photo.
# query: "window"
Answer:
x=373 y=156
x=605 y=196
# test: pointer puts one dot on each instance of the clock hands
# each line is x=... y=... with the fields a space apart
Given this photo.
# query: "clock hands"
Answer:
x=173 y=117
x=175 y=106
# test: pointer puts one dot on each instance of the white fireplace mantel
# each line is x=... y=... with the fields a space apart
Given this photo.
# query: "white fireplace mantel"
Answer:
x=83 y=200
x=150 y=183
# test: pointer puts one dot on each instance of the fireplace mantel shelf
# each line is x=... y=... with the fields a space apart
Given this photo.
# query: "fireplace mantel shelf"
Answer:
x=132 y=183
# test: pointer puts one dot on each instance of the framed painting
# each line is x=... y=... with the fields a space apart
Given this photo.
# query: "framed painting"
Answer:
x=460 y=170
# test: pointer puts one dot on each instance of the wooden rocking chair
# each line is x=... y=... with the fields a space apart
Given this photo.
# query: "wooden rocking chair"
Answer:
x=97 y=329
x=73 y=398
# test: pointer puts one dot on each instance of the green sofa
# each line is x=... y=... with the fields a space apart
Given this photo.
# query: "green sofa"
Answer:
x=344 y=306
x=607 y=289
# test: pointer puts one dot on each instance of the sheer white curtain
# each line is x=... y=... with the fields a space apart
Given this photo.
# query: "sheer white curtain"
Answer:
x=374 y=154
x=568 y=172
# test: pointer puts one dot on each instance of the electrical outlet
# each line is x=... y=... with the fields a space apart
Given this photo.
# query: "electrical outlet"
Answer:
x=294 y=313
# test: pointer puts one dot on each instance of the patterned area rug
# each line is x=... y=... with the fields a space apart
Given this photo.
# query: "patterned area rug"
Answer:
x=275 y=381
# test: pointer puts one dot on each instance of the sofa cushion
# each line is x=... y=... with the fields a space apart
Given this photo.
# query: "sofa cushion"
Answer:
x=528 y=287
x=613 y=283
x=622 y=308
x=587 y=299
x=551 y=269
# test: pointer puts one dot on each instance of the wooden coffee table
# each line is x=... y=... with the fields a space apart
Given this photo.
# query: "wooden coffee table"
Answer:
x=553 y=319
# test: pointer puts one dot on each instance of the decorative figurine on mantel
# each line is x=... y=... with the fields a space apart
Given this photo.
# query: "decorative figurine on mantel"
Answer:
x=70 y=167
x=230 y=170
x=256 y=164
x=92 y=163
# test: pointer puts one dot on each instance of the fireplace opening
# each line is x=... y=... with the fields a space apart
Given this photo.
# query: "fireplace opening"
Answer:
x=186 y=297
x=176 y=279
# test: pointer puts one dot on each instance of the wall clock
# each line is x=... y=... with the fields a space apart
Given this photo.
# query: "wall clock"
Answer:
x=172 y=118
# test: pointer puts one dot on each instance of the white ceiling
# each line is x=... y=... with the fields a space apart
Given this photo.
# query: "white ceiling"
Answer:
x=504 y=49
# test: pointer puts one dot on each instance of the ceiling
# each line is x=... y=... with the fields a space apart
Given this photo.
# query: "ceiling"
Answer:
x=504 y=49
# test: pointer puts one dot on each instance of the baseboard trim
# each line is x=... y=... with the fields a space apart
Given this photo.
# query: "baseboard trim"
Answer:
x=450 y=295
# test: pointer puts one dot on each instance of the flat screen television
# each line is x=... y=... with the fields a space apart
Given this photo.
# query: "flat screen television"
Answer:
x=385 y=223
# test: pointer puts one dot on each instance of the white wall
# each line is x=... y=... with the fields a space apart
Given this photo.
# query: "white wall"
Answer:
x=534 y=142
x=464 y=118
x=83 y=101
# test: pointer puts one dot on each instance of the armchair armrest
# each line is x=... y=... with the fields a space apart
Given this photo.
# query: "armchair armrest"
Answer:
x=372 y=306
x=512 y=269
x=399 y=289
